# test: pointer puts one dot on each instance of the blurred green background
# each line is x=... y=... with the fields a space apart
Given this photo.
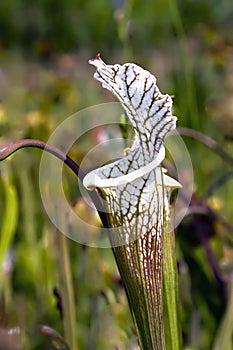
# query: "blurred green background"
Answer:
x=44 y=78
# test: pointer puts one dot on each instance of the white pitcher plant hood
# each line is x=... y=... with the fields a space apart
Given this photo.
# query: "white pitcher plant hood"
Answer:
x=150 y=113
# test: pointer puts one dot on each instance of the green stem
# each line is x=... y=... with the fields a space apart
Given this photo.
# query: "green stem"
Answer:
x=224 y=335
x=170 y=293
x=123 y=30
x=9 y=224
x=190 y=99
x=25 y=143
x=207 y=141
x=68 y=301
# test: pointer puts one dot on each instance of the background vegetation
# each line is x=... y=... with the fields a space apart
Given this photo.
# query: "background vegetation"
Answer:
x=44 y=78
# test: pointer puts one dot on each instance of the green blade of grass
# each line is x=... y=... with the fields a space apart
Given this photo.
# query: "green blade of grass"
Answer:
x=69 y=319
x=170 y=293
x=224 y=337
x=9 y=218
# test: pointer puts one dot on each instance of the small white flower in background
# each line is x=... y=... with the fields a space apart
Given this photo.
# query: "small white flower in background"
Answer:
x=136 y=187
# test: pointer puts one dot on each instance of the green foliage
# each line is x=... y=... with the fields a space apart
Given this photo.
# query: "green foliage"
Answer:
x=188 y=46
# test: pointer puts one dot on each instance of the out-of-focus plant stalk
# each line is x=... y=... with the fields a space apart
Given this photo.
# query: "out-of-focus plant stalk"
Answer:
x=8 y=229
x=224 y=335
x=170 y=292
x=67 y=289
